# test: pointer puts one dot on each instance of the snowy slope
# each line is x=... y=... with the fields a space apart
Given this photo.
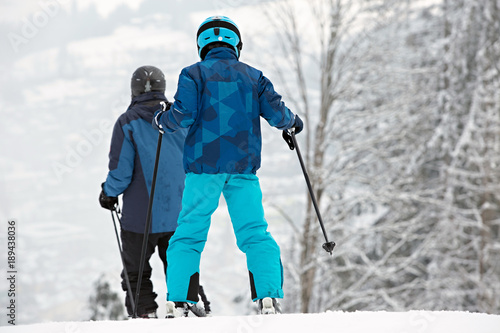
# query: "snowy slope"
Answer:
x=344 y=322
x=57 y=90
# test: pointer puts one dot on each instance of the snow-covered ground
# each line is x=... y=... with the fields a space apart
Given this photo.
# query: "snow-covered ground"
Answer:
x=65 y=71
x=341 y=322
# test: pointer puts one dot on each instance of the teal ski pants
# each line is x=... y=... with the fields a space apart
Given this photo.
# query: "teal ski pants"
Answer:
x=244 y=201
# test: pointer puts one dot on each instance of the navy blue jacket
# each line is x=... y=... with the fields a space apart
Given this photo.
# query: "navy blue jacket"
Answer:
x=221 y=100
x=131 y=163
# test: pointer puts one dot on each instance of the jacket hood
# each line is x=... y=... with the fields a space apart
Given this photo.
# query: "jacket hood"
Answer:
x=146 y=104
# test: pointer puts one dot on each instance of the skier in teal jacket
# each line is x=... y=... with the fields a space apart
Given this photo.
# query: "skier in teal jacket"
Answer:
x=221 y=100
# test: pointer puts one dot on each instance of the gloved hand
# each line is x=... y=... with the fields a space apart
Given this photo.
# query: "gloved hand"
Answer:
x=107 y=202
x=165 y=105
x=298 y=126
x=156 y=119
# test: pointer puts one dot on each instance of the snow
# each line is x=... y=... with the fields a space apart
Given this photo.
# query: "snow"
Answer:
x=61 y=93
x=345 y=322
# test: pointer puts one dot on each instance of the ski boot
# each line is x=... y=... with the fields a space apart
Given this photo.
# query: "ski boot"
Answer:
x=182 y=309
x=268 y=305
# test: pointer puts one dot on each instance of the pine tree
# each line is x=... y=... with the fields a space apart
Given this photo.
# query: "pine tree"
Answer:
x=104 y=303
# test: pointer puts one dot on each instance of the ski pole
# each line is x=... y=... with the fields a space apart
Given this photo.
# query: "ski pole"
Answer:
x=203 y=296
x=328 y=246
x=127 y=280
x=148 y=224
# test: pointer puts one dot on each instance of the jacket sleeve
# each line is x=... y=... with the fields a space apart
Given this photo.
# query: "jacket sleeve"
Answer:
x=184 y=110
x=121 y=162
x=272 y=108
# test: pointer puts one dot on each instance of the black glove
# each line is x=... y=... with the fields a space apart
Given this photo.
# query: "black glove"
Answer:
x=298 y=126
x=107 y=202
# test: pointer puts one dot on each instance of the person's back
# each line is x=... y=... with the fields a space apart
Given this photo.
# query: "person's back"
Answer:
x=220 y=100
x=229 y=97
x=131 y=162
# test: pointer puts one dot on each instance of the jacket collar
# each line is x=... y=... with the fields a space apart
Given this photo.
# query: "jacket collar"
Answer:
x=221 y=53
x=149 y=96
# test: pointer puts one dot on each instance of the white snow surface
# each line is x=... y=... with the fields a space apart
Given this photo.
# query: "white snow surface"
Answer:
x=63 y=89
x=345 y=322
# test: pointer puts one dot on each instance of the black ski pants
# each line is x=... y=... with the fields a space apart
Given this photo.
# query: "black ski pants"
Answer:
x=132 y=248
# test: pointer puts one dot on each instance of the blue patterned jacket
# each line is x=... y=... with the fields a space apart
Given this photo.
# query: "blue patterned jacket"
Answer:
x=131 y=162
x=221 y=100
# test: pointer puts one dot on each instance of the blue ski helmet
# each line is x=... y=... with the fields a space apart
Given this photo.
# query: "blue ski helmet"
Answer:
x=218 y=29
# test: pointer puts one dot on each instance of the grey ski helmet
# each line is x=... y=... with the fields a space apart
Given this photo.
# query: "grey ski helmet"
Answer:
x=146 y=79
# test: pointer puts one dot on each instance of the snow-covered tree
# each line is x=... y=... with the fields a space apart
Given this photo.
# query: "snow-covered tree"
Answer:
x=402 y=147
x=359 y=132
x=465 y=270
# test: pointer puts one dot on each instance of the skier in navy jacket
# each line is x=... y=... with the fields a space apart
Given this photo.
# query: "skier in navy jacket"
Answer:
x=221 y=101
x=131 y=163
